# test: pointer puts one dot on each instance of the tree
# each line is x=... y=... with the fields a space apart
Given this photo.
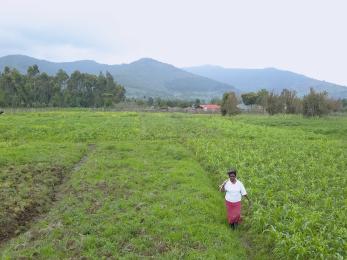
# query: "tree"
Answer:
x=12 y=85
x=59 y=86
x=159 y=102
x=289 y=101
x=262 y=96
x=6 y=87
x=35 y=89
x=72 y=95
x=119 y=93
x=274 y=104
x=315 y=104
x=44 y=89
x=229 y=104
x=298 y=105
x=344 y=104
x=334 y=105
x=61 y=79
x=150 y=101
x=249 y=98
x=33 y=71
x=2 y=98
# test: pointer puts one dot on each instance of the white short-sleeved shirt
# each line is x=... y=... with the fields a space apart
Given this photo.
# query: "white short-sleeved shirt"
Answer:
x=234 y=191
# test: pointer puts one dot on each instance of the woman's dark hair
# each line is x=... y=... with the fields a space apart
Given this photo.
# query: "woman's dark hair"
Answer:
x=232 y=171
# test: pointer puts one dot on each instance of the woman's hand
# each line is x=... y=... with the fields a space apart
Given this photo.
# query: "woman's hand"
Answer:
x=221 y=187
x=249 y=201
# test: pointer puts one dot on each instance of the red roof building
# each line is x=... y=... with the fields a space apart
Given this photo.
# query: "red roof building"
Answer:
x=210 y=107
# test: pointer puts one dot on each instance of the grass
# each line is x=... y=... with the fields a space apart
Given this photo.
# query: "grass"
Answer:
x=134 y=197
x=122 y=203
x=149 y=188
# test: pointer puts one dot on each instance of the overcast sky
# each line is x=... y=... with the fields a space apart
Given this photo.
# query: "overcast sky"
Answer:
x=304 y=36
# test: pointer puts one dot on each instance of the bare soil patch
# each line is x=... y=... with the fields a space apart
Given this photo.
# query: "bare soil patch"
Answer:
x=28 y=193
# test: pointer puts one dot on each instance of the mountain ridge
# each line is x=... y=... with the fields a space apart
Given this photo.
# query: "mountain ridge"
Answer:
x=149 y=77
x=248 y=80
x=143 y=77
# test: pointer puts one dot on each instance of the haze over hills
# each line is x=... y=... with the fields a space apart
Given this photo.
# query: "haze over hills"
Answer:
x=145 y=77
x=247 y=80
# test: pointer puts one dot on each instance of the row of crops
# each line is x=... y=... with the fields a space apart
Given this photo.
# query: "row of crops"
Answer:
x=297 y=181
x=294 y=172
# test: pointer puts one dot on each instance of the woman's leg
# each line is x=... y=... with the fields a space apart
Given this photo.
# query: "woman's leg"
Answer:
x=228 y=209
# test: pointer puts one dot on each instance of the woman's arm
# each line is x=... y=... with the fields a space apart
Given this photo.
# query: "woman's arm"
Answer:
x=249 y=201
x=221 y=187
x=244 y=193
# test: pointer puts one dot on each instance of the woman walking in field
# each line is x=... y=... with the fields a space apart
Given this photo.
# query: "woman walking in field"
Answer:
x=234 y=192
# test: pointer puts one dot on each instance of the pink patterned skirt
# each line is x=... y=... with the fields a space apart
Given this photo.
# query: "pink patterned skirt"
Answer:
x=233 y=211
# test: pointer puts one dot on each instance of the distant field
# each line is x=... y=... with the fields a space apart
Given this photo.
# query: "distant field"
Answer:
x=332 y=126
x=129 y=185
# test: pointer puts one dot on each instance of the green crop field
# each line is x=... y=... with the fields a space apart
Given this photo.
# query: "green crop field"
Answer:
x=109 y=185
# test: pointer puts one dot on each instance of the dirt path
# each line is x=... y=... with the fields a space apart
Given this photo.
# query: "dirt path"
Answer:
x=60 y=190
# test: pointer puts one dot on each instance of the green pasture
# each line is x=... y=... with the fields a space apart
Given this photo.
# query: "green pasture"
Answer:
x=103 y=185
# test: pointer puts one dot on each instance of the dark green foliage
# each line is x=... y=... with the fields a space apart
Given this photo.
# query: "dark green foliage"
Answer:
x=37 y=89
x=249 y=98
x=229 y=104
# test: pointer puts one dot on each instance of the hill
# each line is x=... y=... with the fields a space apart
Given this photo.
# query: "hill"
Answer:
x=145 y=77
x=269 y=78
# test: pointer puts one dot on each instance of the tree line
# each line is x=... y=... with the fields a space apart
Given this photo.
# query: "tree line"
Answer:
x=287 y=102
x=36 y=89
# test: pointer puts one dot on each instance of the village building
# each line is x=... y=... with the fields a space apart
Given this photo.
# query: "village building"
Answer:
x=209 y=107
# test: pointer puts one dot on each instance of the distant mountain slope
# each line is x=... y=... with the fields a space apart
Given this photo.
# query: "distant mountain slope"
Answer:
x=22 y=62
x=248 y=80
x=145 y=77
